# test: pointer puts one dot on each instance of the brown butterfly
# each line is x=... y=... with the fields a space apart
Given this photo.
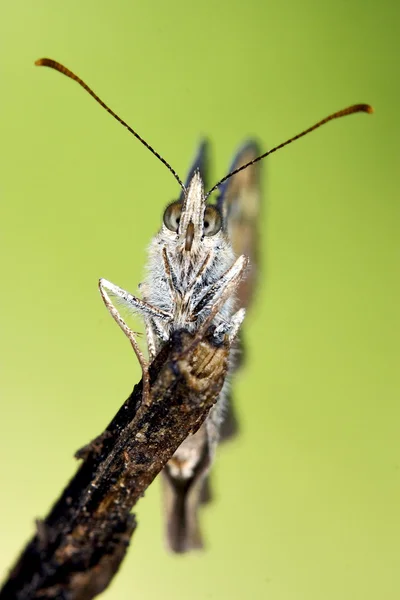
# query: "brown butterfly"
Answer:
x=201 y=275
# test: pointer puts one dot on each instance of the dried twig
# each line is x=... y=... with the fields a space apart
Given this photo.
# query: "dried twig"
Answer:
x=79 y=546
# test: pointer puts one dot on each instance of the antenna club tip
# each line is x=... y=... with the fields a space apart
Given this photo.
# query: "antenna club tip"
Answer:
x=44 y=62
x=367 y=108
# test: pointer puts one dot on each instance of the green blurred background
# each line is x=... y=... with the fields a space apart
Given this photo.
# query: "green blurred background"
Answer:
x=307 y=500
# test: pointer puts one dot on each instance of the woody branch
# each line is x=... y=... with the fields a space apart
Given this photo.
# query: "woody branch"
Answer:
x=79 y=546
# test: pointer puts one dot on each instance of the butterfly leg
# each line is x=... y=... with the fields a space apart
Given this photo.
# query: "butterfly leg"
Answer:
x=215 y=296
x=214 y=299
x=230 y=328
x=150 y=338
x=141 y=307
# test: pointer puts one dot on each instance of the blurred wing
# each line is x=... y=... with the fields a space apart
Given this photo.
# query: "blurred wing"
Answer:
x=200 y=163
x=239 y=202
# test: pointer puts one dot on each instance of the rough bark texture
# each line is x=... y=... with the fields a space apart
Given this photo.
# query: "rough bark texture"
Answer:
x=79 y=546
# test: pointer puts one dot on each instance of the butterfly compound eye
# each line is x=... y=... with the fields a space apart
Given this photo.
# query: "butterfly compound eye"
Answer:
x=212 y=221
x=172 y=216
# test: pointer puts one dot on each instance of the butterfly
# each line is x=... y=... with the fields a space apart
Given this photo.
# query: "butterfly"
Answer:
x=201 y=277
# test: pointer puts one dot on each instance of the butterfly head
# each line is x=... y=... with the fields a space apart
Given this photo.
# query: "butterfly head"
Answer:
x=190 y=221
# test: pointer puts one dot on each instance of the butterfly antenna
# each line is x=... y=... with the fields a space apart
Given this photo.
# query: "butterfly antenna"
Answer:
x=337 y=115
x=53 y=64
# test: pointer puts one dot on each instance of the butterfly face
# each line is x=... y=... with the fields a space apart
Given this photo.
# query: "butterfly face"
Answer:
x=192 y=219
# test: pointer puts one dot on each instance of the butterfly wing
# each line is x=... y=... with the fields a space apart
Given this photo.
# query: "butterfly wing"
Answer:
x=239 y=202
